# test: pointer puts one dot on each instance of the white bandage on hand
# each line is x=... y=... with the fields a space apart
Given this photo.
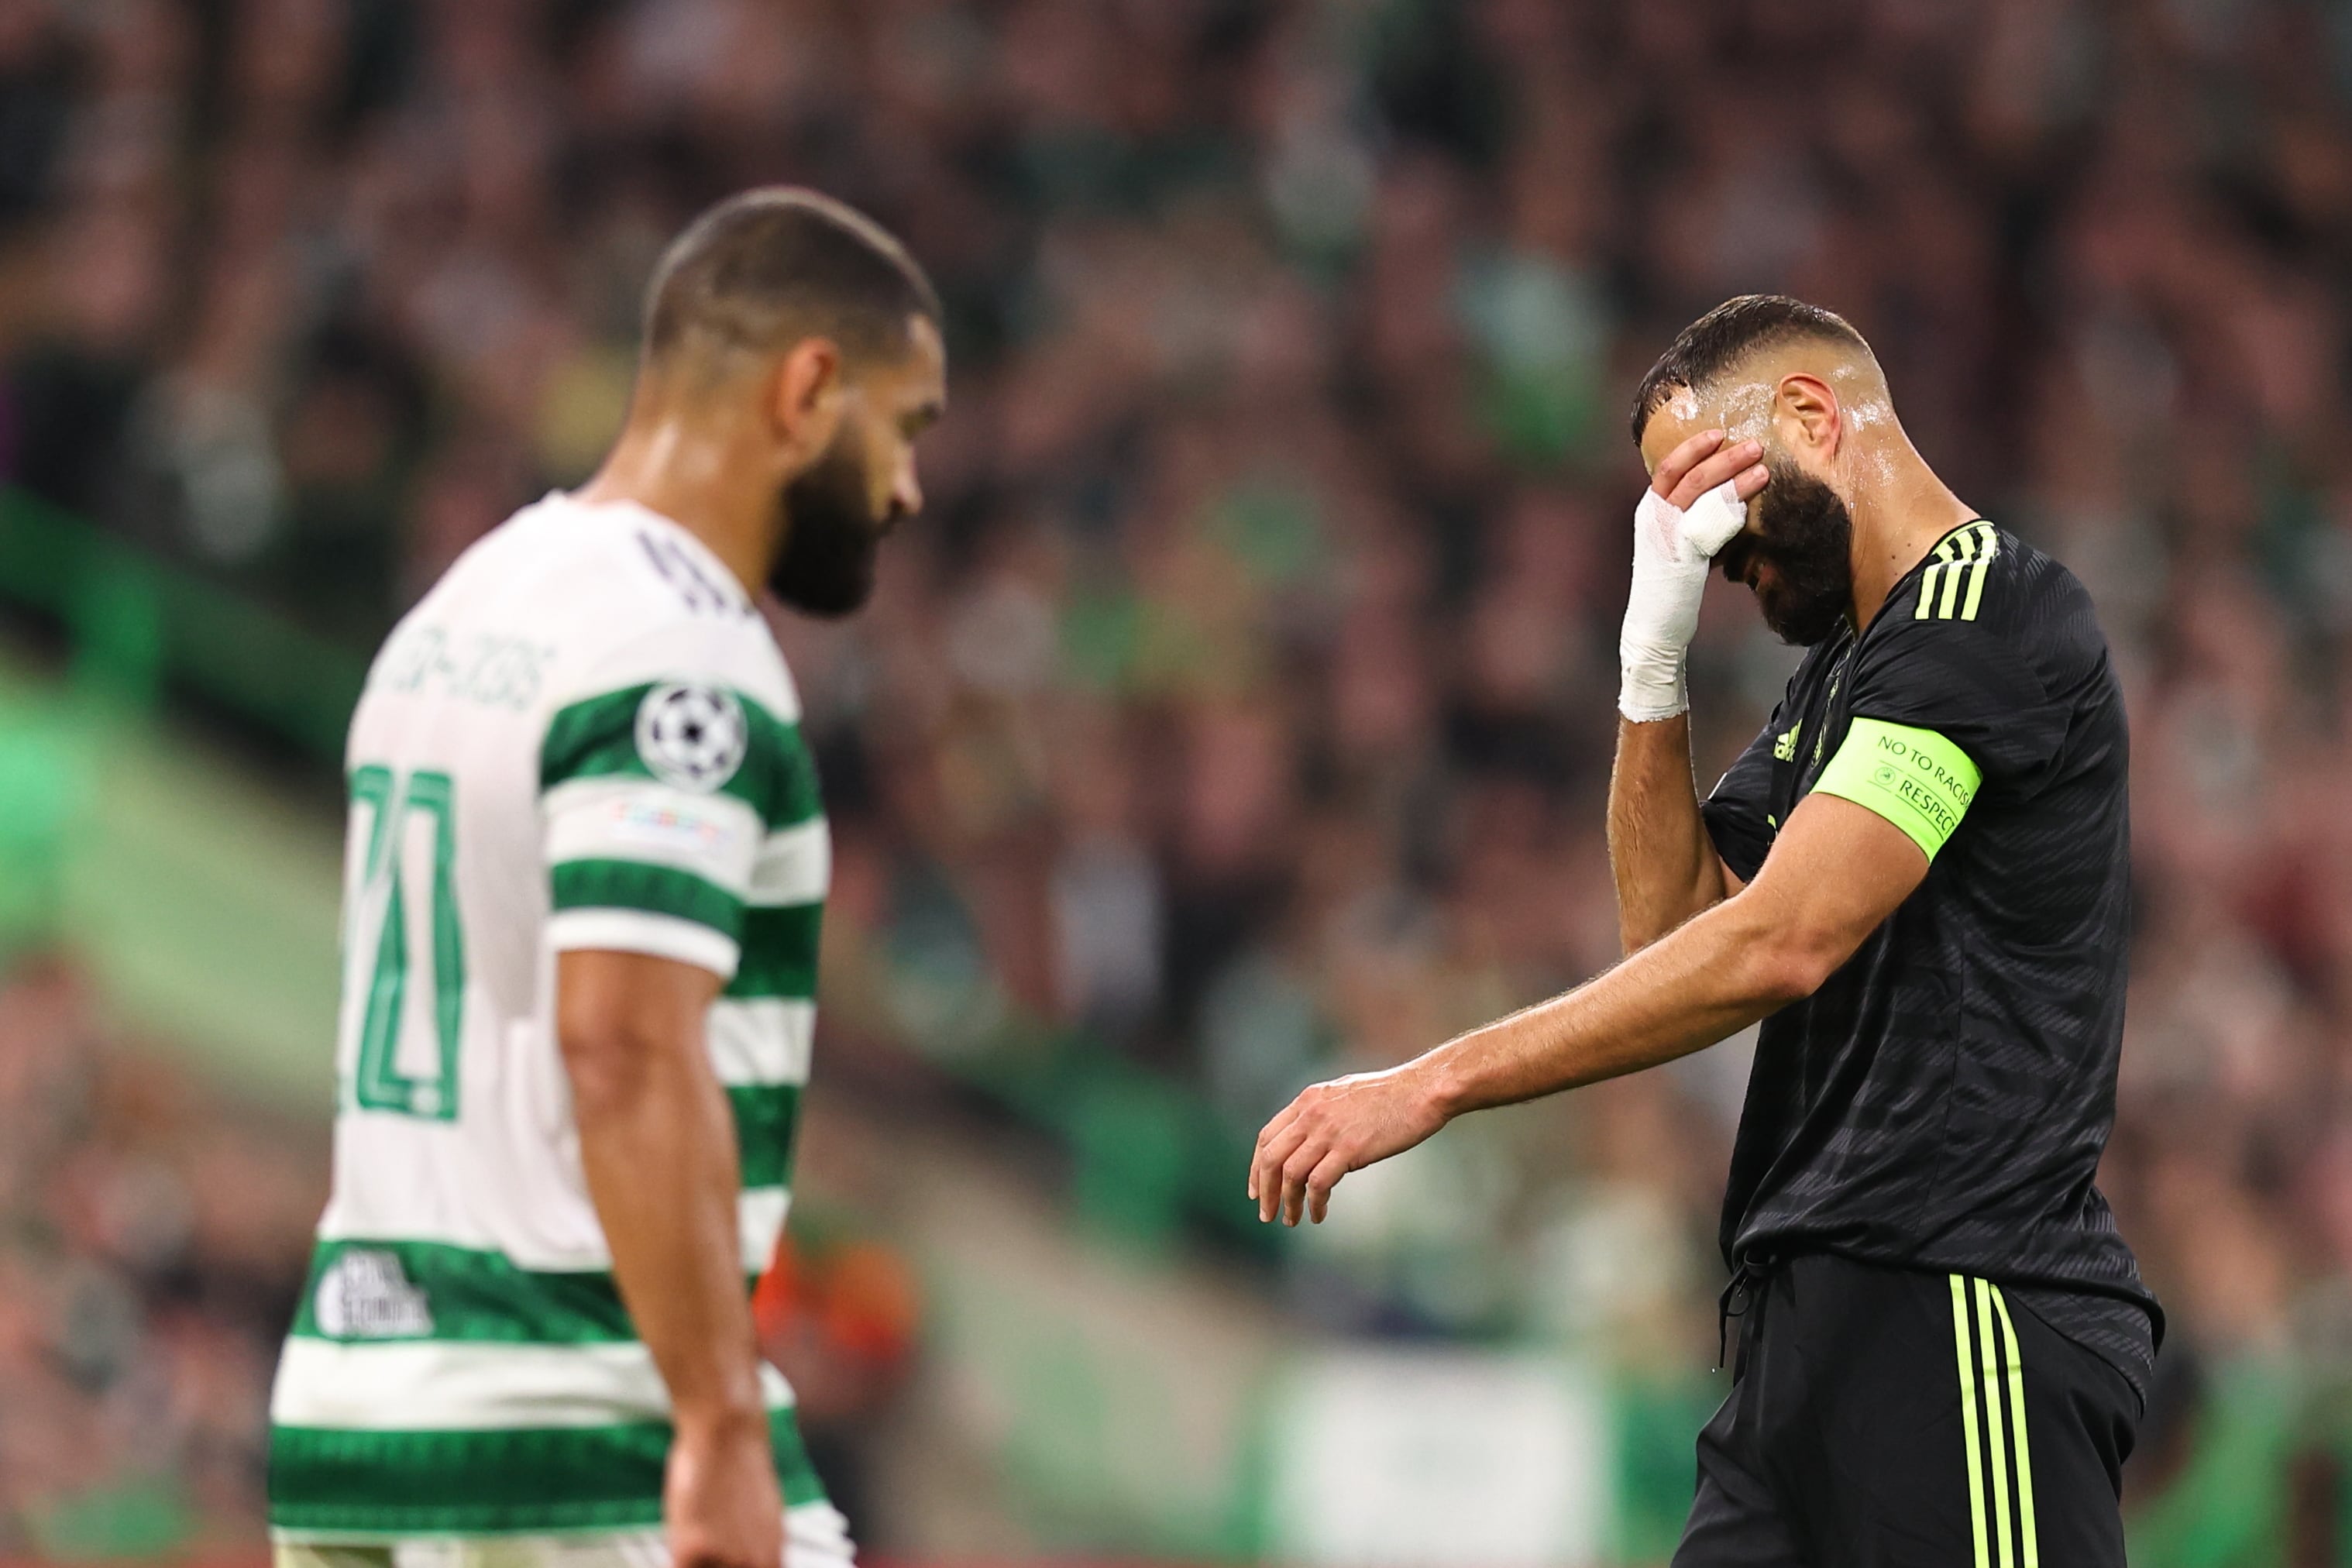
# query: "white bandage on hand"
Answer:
x=1672 y=551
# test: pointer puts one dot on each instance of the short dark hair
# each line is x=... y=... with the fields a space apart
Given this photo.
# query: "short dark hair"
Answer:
x=766 y=267
x=1729 y=334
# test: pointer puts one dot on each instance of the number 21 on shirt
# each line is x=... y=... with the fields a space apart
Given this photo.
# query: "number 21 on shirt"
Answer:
x=404 y=949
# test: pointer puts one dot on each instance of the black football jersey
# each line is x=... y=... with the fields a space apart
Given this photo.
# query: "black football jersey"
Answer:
x=1942 y=1101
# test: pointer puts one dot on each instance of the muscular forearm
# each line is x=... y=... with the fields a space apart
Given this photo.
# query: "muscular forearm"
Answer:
x=1714 y=976
x=1720 y=971
x=1666 y=865
x=1836 y=873
x=658 y=1148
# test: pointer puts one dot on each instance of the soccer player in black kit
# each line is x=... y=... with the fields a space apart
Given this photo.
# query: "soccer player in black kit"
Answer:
x=1917 y=876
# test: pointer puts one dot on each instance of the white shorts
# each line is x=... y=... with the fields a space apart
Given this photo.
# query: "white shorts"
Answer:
x=815 y=1536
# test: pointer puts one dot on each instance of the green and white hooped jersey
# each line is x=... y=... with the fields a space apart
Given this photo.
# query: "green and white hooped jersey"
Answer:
x=583 y=737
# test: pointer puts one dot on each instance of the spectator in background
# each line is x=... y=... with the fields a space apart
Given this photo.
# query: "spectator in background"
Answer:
x=149 y=1243
x=1245 y=688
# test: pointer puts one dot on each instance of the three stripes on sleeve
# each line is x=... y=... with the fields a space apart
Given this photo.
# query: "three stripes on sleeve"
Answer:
x=1953 y=584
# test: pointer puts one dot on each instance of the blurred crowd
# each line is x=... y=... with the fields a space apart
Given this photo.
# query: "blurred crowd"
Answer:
x=1240 y=710
x=153 y=1238
x=151 y=1242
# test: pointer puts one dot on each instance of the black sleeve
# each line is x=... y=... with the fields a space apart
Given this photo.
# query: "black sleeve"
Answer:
x=1968 y=682
x=1736 y=810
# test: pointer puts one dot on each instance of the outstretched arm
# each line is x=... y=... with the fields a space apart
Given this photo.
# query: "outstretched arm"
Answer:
x=1836 y=872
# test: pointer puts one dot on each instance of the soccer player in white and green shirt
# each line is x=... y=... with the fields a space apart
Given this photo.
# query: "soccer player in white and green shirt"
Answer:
x=586 y=865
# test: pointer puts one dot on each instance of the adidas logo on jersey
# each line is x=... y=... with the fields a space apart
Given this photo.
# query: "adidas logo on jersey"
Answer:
x=367 y=1296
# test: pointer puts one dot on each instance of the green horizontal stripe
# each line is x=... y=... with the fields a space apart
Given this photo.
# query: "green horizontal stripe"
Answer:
x=547 y=1479
x=597 y=738
x=779 y=948
x=650 y=888
x=765 y=1118
x=478 y=1296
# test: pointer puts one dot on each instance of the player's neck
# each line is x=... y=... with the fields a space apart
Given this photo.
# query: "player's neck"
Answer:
x=690 y=473
x=1895 y=523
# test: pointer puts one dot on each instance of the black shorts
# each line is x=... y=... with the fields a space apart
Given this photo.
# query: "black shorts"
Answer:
x=1886 y=1419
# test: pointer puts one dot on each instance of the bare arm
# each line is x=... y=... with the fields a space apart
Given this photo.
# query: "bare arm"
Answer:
x=1665 y=865
x=1835 y=873
x=657 y=1144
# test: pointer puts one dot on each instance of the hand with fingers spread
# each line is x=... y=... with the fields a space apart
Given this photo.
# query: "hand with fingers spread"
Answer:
x=1333 y=1128
x=1697 y=500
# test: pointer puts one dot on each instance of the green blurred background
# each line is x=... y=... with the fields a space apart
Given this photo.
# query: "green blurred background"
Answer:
x=1239 y=712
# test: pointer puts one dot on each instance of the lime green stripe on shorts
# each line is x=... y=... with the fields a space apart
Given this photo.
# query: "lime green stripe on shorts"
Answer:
x=1999 y=1457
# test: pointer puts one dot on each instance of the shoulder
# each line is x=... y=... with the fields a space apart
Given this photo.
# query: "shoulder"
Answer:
x=1985 y=577
x=644 y=603
x=1985 y=597
x=1991 y=644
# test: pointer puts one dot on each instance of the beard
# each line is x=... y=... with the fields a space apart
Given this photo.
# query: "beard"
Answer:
x=830 y=538
x=1805 y=534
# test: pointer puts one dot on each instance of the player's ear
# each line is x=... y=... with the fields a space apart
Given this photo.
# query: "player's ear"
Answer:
x=805 y=395
x=1807 y=412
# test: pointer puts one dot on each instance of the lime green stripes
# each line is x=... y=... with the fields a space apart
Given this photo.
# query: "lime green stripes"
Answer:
x=597 y=737
x=2017 y=1429
x=1993 y=1423
x=1964 y=543
x=1968 y=1417
x=1988 y=547
x=1991 y=1366
x=1953 y=584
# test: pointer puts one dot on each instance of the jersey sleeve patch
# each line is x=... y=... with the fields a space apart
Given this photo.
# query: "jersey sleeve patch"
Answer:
x=1915 y=778
x=636 y=819
x=694 y=736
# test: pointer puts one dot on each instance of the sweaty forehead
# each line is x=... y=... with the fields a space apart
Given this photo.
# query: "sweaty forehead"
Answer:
x=1672 y=423
x=1740 y=408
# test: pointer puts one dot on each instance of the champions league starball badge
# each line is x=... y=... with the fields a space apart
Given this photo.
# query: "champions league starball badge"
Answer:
x=692 y=736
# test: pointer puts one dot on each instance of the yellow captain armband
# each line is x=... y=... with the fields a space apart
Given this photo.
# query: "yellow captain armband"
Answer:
x=1915 y=778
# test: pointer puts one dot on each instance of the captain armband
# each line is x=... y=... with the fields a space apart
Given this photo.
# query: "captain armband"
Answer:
x=1916 y=779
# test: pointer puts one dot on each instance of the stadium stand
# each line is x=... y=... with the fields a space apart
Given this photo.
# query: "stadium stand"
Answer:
x=1240 y=709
